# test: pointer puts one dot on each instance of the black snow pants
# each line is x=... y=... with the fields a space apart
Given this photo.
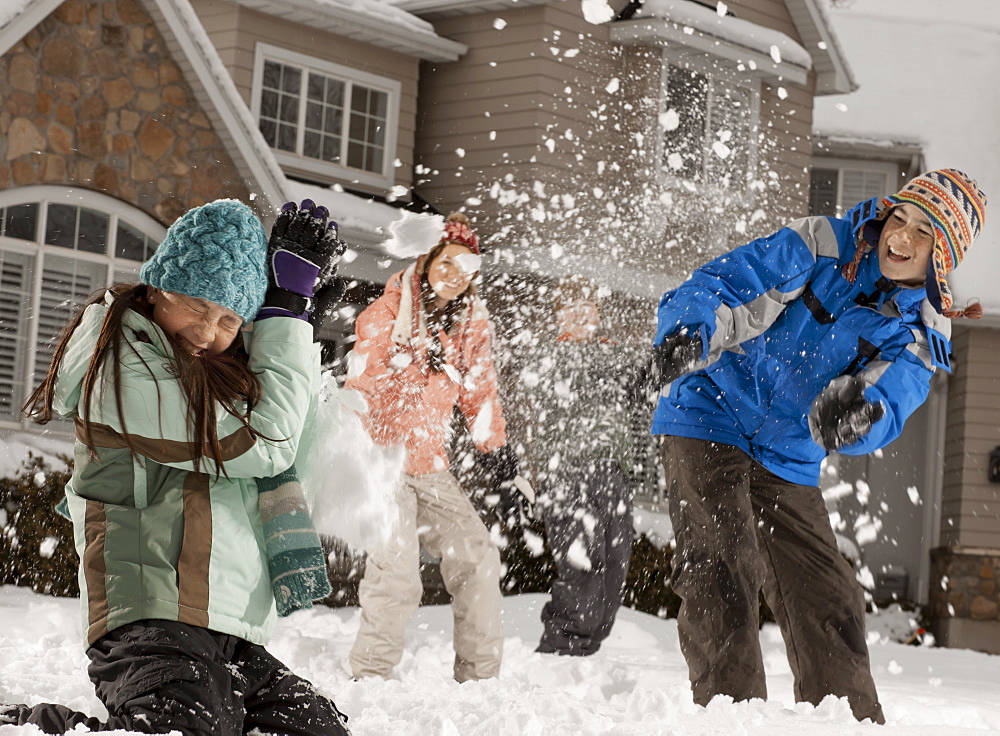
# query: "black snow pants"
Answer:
x=740 y=529
x=588 y=522
x=162 y=676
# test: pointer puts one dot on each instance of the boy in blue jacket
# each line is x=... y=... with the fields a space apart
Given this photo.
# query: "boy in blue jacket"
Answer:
x=821 y=337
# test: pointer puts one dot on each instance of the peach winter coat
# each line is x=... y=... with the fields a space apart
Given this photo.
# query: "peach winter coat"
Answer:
x=408 y=403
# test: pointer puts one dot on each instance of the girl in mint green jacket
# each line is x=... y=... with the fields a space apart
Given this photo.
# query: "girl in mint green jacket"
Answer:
x=189 y=392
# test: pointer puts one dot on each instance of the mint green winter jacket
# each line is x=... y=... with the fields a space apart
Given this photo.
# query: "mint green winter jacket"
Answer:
x=155 y=539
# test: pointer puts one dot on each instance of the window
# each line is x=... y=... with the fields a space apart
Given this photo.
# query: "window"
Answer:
x=325 y=118
x=57 y=246
x=836 y=185
x=707 y=124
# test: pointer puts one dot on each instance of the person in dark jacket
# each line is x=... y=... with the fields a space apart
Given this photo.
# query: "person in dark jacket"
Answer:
x=584 y=392
x=821 y=337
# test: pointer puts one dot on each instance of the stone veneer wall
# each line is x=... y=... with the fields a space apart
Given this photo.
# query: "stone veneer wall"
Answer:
x=92 y=98
x=965 y=597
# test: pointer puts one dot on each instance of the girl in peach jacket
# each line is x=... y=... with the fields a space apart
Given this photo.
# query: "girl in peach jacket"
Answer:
x=422 y=349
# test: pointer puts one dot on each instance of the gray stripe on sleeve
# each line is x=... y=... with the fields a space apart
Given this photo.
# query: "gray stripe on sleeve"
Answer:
x=875 y=371
x=921 y=348
x=734 y=325
x=817 y=233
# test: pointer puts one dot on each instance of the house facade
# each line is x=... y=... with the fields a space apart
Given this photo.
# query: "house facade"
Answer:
x=118 y=117
x=626 y=144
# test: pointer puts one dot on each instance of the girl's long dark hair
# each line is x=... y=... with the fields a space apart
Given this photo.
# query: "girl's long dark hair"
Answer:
x=440 y=318
x=222 y=380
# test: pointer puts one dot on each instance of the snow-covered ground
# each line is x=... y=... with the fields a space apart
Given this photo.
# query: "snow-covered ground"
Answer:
x=635 y=686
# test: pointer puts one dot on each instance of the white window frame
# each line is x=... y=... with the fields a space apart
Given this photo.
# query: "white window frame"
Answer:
x=890 y=170
x=116 y=210
x=718 y=76
x=305 y=164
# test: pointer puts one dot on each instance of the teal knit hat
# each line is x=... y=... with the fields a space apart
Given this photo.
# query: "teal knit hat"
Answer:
x=216 y=252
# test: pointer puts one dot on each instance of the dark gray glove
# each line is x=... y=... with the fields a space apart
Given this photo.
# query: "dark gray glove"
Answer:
x=676 y=355
x=502 y=467
x=326 y=300
x=840 y=415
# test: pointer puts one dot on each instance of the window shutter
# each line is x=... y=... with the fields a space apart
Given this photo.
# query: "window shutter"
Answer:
x=15 y=280
x=823 y=192
x=66 y=284
x=859 y=185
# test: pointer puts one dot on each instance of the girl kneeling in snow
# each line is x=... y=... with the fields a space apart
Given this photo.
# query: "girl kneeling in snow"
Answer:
x=424 y=347
x=186 y=433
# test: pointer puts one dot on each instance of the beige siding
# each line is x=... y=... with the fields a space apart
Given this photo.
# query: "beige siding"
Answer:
x=971 y=505
x=768 y=13
x=513 y=115
x=501 y=101
x=235 y=31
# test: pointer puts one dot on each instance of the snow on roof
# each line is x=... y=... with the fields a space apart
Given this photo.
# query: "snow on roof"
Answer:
x=377 y=22
x=692 y=25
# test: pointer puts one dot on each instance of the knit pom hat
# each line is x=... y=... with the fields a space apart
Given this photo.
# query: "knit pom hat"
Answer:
x=216 y=252
x=957 y=208
x=457 y=230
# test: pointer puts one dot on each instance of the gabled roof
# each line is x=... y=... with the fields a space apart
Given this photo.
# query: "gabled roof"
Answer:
x=833 y=73
x=217 y=95
x=210 y=82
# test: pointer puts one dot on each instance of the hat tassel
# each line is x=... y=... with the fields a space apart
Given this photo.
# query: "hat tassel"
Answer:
x=973 y=311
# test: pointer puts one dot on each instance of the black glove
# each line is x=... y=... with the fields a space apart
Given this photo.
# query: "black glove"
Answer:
x=326 y=300
x=676 y=355
x=502 y=467
x=302 y=254
x=840 y=415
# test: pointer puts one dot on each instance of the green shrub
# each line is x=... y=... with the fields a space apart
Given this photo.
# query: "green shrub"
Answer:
x=36 y=542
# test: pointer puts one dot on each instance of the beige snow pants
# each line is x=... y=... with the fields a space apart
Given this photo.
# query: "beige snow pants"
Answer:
x=435 y=511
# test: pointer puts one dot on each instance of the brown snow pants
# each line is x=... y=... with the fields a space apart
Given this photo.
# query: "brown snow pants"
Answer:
x=740 y=529
x=434 y=510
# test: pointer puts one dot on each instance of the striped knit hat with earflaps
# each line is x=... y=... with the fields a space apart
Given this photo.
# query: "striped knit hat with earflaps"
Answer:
x=956 y=208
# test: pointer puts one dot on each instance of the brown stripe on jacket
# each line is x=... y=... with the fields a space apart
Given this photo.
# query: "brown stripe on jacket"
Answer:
x=196 y=552
x=95 y=570
x=162 y=450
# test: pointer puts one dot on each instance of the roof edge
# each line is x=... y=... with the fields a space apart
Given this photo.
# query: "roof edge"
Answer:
x=184 y=26
x=425 y=45
x=24 y=21
x=841 y=79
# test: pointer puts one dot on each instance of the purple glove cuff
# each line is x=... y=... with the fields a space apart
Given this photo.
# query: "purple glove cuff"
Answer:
x=266 y=312
x=294 y=273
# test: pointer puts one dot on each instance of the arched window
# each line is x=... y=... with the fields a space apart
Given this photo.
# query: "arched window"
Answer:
x=57 y=245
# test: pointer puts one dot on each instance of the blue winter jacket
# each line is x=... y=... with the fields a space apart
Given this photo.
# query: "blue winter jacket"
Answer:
x=779 y=321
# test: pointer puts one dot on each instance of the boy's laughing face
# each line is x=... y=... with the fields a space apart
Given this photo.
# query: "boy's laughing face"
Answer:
x=906 y=244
